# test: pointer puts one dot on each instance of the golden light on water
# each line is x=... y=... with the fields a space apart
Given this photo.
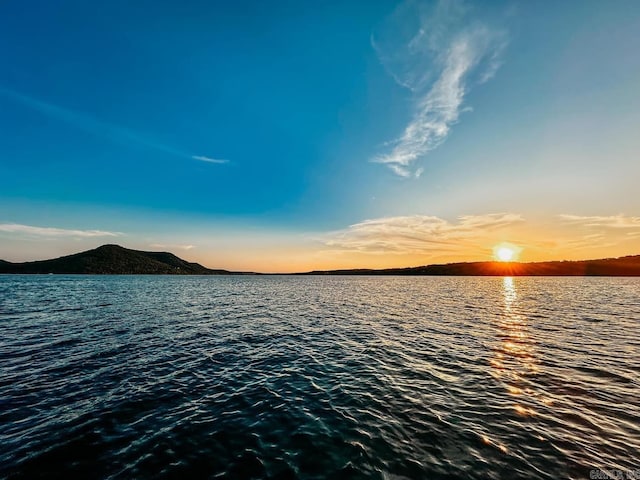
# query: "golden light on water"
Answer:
x=524 y=411
x=510 y=294
x=515 y=356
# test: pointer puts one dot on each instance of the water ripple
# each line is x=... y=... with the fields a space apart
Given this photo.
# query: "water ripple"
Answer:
x=318 y=377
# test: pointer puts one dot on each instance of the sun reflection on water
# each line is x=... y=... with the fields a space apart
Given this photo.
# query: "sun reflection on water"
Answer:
x=510 y=294
x=515 y=356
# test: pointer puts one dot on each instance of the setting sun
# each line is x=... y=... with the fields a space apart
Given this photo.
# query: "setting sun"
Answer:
x=506 y=252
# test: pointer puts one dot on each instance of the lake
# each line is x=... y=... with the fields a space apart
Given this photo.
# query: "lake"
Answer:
x=319 y=377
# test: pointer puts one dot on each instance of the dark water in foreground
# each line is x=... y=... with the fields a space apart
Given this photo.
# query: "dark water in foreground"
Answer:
x=318 y=377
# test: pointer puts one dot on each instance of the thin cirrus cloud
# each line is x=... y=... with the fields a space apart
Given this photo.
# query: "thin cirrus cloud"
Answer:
x=54 y=232
x=202 y=158
x=439 y=61
x=97 y=127
x=419 y=234
x=172 y=246
x=611 y=221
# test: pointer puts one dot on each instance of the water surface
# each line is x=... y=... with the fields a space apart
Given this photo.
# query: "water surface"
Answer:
x=318 y=377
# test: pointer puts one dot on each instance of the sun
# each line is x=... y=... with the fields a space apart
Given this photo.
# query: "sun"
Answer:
x=506 y=252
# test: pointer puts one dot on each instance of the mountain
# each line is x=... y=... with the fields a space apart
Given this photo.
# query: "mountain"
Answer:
x=623 y=266
x=112 y=259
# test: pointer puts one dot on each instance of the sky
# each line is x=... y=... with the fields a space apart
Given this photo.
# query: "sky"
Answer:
x=291 y=136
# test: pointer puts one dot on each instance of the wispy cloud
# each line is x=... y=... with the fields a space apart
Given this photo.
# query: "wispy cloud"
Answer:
x=202 y=158
x=438 y=62
x=54 y=232
x=611 y=221
x=172 y=246
x=473 y=236
x=418 y=234
x=97 y=127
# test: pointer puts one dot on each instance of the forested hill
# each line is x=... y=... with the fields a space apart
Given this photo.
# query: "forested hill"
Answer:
x=623 y=266
x=112 y=259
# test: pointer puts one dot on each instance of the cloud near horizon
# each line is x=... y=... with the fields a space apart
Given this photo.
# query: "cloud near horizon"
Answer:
x=473 y=236
x=438 y=61
x=419 y=234
x=611 y=221
x=54 y=232
x=172 y=246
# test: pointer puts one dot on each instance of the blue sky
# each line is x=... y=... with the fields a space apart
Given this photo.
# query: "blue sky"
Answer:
x=277 y=136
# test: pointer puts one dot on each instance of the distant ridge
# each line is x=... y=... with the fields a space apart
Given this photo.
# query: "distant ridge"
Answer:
x=113 y=259
x=616 y=267
x=117 y=260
